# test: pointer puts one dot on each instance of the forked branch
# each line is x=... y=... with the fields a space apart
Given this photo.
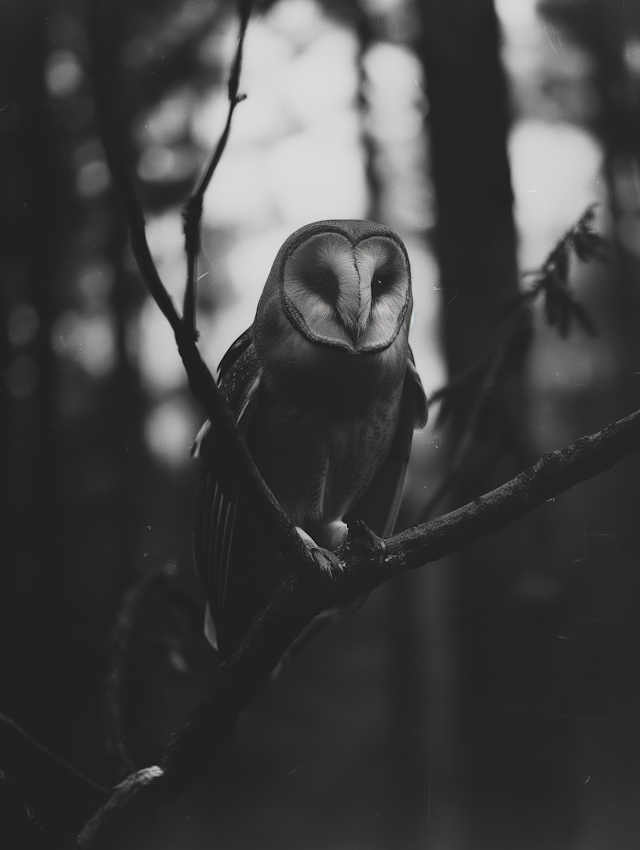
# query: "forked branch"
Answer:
x=201 y=381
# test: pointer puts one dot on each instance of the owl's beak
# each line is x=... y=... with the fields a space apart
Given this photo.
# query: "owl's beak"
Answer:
x=354 y=333
x=355 y=308
x=357 y=327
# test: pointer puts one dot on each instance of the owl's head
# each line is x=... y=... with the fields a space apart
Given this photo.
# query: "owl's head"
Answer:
x=342 y=284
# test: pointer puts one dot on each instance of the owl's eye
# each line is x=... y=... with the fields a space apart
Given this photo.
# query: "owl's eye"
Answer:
x=380 y=283
x=325 y=284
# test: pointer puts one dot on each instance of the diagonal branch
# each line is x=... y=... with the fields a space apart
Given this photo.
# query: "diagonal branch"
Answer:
x=552 y=286
x=201 y=381
x=465 y=442
x=554 y=473
x=60 y=797
x=361 y=565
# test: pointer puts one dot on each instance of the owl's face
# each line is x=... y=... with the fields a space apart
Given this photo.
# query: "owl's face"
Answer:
x=341 y=284
x=353 y=296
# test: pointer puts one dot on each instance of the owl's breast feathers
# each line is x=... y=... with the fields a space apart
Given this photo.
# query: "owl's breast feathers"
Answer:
x=324 y=423
x=320 y=423
x=345 y=460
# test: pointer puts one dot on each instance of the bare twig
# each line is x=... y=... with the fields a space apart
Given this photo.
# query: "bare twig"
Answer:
x=60 y=797
x=201 y=381
x=18 y=822
x=465 y=442
x=192 y=214
x=103 y=73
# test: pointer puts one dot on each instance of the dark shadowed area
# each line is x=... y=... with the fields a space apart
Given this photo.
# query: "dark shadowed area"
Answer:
x=491 y=700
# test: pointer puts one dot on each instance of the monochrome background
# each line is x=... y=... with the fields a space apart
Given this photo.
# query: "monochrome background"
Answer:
x=491 y=700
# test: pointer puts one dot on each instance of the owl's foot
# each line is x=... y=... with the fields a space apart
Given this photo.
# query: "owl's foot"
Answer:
x=320 y=554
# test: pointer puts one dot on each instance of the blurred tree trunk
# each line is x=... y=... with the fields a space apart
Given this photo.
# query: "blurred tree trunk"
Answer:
x=73 y=454
x=611 y=731
x=33 y=216
x=501 y=767
x=468 y=122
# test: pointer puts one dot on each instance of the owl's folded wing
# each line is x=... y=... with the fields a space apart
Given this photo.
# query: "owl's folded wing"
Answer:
x=216 y=495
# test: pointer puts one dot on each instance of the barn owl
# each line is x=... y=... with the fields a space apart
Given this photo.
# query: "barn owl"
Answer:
x=326 y=394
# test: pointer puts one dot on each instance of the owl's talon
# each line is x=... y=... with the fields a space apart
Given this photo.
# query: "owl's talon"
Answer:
x=327 y=562
x=321 y=556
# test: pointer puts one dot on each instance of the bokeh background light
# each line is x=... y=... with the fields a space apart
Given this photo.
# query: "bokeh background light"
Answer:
x=296 y=155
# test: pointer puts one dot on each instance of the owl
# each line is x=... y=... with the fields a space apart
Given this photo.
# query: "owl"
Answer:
x=326 y=395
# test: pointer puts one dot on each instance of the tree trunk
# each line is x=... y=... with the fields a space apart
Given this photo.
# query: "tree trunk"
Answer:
x=486 y=740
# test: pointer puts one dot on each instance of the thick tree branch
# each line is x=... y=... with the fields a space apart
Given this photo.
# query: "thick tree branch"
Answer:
x=361 y=565
x=554 y=473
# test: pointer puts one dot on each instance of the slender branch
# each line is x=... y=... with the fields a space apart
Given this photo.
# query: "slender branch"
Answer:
x=201 y=381
x=552 y=286
x=60 y=797
x=465 y=442
x=18 y=822
x=192 y=215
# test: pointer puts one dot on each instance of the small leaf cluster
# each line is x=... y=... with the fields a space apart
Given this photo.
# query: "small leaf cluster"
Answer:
x=561 y=308
x=470 y=398
x=551 y=280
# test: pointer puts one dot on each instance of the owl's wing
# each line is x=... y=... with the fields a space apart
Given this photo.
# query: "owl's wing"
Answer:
x=216 y=495
x=379 y=505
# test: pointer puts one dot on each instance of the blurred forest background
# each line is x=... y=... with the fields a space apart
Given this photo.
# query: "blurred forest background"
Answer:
x=488 y=701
